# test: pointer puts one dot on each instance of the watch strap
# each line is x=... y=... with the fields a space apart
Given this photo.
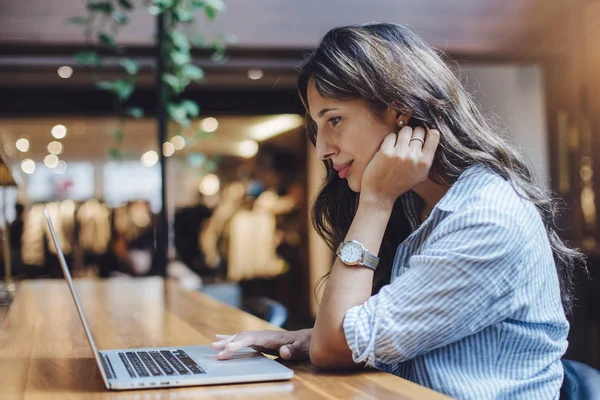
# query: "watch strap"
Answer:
x=370 y=261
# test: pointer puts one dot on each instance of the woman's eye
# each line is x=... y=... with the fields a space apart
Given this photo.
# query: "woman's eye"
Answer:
x=335 y=120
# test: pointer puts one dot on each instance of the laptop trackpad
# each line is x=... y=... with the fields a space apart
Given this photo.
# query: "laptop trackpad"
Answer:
x=243 y=356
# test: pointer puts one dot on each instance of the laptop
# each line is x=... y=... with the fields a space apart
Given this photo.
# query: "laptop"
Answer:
x=171 y=366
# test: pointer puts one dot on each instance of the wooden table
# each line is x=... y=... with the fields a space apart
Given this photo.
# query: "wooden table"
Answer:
x=44 y=352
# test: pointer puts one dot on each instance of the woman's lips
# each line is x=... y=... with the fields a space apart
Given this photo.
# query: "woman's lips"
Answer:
x=343 y=169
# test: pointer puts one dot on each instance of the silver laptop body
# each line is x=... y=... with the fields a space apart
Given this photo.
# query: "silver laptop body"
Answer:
x=171 y=366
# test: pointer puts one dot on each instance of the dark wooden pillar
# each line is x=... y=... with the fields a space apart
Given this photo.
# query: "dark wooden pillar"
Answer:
x=572 y=84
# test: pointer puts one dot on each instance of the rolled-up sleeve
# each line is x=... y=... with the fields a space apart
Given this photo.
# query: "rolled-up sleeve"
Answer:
x=461 y=280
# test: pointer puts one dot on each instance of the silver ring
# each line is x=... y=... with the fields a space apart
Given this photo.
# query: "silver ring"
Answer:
x=417 y=138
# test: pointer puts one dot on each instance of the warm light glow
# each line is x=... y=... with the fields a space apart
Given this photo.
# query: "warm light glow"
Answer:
x=61 y=168
x=65 y=72
x=210 y=124
x=51 y=161
x=178 y=142
x=275 y=126
x=248 y=148
x=168 y=149
x=255 y=74
x=209 y=185
x=22 y=145
x=28 y=166
x=55 y=147
x=59 y=131
x=149 y=158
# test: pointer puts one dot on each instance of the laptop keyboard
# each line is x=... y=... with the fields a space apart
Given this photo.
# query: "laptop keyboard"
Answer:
x=159 y=363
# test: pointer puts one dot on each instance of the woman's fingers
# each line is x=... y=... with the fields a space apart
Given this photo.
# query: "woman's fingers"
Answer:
x=235 y=345
x=431 y=144
x=404 y=137
x=259 y=340
x=417 y=140
x=387 y=146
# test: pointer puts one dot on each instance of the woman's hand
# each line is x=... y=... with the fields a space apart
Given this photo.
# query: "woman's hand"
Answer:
x=289 y=345
x=402 y=162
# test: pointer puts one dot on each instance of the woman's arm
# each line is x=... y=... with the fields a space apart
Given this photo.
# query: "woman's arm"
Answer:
x=396 y=168
x=348 y=286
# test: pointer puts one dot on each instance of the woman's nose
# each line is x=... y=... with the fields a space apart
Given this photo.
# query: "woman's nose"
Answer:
x=325 y=149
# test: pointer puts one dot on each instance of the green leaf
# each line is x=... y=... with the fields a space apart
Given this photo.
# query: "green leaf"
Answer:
x=105 y=85
x=173 y=82
x=213 y=7
x=180 y=40
x=88 y=58
x=77 y=20
x=121 y=18
x=163 y=3
x=191 y=107
x=104 y=7
x=218 y=56
x=192 y=72
x=123 y=89
x=154 y=10
x=118 y=135
x=180 y=57
x=132 y=67
x=198 y=40
x=126 y=4
x=135 y=112
x=178 y=114
x=108 y=40
x=183 y=15
x=114 y=153
x=210 y=12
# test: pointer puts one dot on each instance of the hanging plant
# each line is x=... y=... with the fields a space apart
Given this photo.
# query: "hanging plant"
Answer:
x=102 y=23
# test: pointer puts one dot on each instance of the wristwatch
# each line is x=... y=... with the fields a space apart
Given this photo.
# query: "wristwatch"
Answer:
x=352 y=252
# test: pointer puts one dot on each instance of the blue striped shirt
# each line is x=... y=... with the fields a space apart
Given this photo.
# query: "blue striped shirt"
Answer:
x=473 y=308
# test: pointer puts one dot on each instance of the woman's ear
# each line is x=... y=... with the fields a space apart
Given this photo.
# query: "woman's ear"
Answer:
x=402 y=119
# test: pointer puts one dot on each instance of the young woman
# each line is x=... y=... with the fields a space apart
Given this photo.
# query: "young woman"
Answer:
x=448 y=270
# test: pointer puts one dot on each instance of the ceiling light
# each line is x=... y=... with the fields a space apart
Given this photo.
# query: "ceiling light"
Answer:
x=248 y=148
x=255 y=74
x=51 y=161
x=55 y=147
x=168 y=149
x=22 y=145
x=210 y=124
x=65 y=71
x=61 y=168
x=149 y=158
x=209 y=185
x=275 y=126
x=28 y=166
x=178 y=142
x=59 y=131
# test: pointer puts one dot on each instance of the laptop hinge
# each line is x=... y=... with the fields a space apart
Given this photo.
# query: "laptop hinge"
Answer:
x=107 y=365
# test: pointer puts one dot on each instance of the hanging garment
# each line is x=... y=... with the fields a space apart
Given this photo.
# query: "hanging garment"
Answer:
x=32 y=251
x=94 y=227
x=252 y=244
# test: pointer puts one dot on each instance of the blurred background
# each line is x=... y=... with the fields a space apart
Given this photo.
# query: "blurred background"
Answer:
x=209 y=180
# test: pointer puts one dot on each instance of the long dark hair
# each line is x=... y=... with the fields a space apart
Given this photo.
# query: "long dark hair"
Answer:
x=387 y=65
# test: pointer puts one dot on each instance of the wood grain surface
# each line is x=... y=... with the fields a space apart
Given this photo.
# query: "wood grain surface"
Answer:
x=44 y=353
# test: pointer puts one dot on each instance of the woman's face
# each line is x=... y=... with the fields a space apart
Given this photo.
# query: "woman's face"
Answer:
x=348 y=133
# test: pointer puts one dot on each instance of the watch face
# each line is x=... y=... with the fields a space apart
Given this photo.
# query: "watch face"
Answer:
x=351 y=252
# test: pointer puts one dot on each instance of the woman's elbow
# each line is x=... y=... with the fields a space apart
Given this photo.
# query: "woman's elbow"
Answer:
x=320 y=357
x=329 y=358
